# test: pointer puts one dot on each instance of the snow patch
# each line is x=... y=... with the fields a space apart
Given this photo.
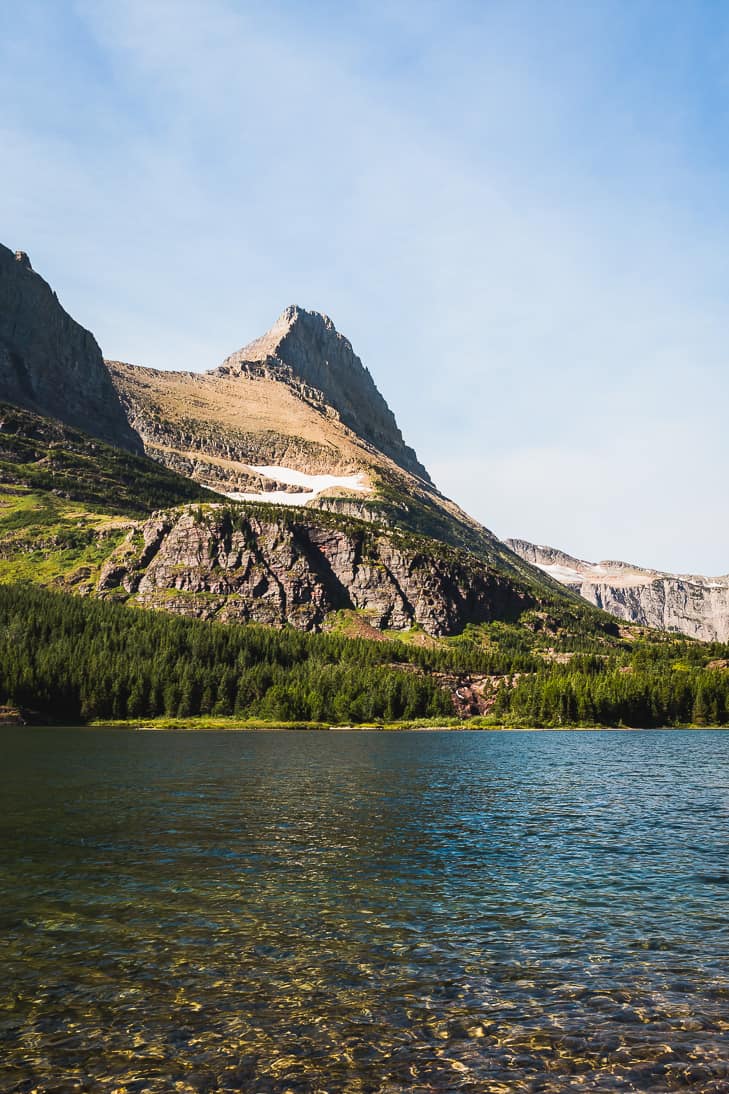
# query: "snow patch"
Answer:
x=592 y=574
x=313 y=485
x=563 y=574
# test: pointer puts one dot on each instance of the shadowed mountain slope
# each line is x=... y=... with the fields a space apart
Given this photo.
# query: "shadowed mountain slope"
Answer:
x=51 y=364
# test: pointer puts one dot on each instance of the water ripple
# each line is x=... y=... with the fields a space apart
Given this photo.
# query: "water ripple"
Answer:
x=364 y=912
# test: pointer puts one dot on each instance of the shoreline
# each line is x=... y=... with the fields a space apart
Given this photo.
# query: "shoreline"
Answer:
x=207 y=725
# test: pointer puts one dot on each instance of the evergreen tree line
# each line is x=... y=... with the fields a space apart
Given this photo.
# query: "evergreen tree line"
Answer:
x=79 y=660
x=647 y=691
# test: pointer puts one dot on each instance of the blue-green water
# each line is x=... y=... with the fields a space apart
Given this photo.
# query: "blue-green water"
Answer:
x=364 y=912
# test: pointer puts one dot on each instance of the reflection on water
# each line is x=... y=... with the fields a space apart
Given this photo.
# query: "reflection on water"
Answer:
x=364 y=912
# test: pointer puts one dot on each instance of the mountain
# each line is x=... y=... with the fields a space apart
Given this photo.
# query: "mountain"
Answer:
x=295 y=419
x=276 y=487
x=684 y=603
x=51 y=364
x=304 y=348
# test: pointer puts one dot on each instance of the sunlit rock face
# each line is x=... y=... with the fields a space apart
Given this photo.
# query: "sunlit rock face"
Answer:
x=685 y=603
x=305 y=348
x=51 y=364
x=227 y=565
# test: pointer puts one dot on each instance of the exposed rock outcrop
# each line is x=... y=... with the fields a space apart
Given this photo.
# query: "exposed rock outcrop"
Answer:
x=685 y=603
x=304 y=349
x=51 y=364
x=227 y=564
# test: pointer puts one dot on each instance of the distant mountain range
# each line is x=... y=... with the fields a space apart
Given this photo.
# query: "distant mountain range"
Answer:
x=684 y=603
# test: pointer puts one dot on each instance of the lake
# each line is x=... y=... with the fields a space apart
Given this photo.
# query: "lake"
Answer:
x=364 y=911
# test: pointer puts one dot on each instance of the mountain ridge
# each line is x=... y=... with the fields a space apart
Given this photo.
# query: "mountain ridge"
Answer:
x=49 y=363
x=689 y=604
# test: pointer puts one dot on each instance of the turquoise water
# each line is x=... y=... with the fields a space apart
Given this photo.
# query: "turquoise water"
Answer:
x=364 y=912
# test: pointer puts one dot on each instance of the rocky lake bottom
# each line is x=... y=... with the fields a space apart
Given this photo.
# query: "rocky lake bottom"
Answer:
x=313 y=911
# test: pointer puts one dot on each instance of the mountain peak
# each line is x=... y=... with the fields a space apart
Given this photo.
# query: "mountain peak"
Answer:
x=295 y=312
x=305 y=347
x=295 y=326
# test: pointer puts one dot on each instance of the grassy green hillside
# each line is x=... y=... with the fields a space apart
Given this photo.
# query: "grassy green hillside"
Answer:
x=67 y=500
x=45 y=457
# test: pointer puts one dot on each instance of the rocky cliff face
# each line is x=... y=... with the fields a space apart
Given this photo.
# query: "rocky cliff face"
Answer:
x=221 y=562
x=304 y=349
x=688 y=604
x=50 y=364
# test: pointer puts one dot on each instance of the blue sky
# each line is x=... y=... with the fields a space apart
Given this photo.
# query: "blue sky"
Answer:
x=517 y=212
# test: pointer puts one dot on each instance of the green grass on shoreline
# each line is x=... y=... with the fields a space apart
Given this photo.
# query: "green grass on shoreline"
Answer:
x=445 y=724
x=231 y=722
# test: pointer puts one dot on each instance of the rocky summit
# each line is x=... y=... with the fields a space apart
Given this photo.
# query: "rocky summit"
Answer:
x=684 y=603
x=305 y=348
x=297 y=399
x=51 y=364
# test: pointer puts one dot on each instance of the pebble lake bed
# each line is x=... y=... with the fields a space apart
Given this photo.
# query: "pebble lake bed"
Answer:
x=364 y=911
